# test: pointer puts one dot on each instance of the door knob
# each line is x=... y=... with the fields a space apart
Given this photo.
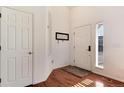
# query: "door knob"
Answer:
x=29 y=53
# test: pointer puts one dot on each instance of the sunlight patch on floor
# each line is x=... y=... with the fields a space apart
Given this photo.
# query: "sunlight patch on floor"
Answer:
x=83 y=83
x=78 y=85
x=87 y=82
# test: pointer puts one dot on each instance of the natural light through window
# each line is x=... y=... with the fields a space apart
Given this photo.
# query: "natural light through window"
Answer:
x=99 y=44
x=99 y=84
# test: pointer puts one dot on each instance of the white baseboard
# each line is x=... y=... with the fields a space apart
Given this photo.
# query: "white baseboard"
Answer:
x=109 y=76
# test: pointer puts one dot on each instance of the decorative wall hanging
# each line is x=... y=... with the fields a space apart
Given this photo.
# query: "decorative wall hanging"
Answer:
x=62 y=36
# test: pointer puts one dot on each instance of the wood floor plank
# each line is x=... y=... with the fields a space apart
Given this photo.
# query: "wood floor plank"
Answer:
x=61 y=78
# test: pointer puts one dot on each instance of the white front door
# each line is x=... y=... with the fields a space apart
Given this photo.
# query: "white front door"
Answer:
x=16 y=43
x=82 y=43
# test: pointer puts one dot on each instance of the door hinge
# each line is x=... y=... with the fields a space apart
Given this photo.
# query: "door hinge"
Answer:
x=0 y=80
x=0 y=15
x=0 y=48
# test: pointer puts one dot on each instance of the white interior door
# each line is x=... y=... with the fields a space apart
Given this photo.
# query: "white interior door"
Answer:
x=16 y=53
x=83 y=47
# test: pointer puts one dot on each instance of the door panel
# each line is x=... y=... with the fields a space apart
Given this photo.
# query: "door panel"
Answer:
x=82 y=42
x=11 y=37
x=11 y=64
x=25 y=65
x=16 y=42
x=25 y=38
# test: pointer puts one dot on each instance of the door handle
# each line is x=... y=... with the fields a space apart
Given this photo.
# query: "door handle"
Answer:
x=29 y=53
x=89 y=48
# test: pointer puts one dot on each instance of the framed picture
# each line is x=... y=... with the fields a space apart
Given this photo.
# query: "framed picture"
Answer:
x=62 y=36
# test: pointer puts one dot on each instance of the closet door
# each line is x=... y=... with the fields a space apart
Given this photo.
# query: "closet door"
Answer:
x=16 y=43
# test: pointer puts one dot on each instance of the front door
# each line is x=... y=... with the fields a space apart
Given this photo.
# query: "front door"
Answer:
x=83 y=47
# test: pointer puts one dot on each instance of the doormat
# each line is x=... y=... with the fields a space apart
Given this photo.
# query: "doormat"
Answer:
x=76 y=71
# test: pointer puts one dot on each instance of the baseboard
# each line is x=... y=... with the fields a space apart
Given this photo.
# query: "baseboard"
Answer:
x=46 y=77
x=109 y=76
x=60 y=66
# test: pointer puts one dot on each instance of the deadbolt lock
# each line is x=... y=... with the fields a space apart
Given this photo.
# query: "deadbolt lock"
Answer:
x=30 y=53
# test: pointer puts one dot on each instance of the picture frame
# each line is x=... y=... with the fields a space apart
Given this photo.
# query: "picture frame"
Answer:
x=62 y=36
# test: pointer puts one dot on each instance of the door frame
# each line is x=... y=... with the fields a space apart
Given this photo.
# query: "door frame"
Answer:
x=32 y=37
x=0 y=46
x=91 y=43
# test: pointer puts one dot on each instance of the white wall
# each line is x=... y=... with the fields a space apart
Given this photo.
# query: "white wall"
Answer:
x=44 y=53
x=60 y=23
x=39 y=61
x=39 y=29
x=113 y=19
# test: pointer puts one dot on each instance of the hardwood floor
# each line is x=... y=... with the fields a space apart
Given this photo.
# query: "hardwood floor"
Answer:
x=61 y=78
